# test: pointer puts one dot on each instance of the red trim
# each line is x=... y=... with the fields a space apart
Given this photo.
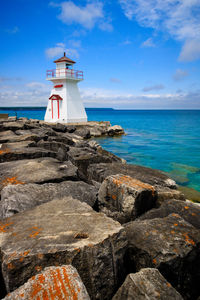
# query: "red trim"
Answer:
x=58 y=86
x=52 y=108
x=55 y=97
x=58 y=109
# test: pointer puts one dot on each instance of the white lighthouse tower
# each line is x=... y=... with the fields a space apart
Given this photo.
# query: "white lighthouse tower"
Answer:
x=65 y=104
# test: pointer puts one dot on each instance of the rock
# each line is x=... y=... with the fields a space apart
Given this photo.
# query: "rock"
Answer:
x=59 y=127
x=13 y=125
x=23 y=150
x=126 y=197
x=166 y=193
x=17 y=198
x=7 y=135
x=100 y=171
x=60 y=148
x=115 y=130
x=53 y=283
x=83 y=157
x=146 y=284
x=169 y=244
x=40 y=170
x=83 y=132
x=187 y=210
x=64 y=232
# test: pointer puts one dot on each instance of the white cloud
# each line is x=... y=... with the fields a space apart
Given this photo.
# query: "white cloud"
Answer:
x=37 y=94
x=180 y=74
x=190 y=51
x=155 y=87
x=107 y=98
x=59 y=49
x=180 y=19
x=148 y=43
x=87 y=16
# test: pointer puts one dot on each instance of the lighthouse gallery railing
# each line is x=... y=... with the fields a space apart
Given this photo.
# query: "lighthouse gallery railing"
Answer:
x=64 y=73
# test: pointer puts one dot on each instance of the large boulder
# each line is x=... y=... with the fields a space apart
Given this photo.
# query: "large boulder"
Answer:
x=84 y=156
x=23 y=150
x=187 y=210
x=13 y=125
x=146 y=284
x=125 y=198
x=53 y=283
x=170 y=244
x=36 y=171
x=64 y=232
x=153 y=177
x=20 y=197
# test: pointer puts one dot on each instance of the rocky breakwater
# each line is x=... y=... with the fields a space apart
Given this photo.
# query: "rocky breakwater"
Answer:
x=77 y=222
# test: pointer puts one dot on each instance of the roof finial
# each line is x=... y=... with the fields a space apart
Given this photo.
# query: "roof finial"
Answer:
x=64 y=53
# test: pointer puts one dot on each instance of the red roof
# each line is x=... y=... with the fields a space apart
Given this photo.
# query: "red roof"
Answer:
x=55 y=97
x=63 y=59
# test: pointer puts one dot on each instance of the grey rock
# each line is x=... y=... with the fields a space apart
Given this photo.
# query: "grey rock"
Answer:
x=187 y=210
x=23 y=150
x=115 y=130
x=83 y=157
x=64 y=232
x=39 y=170
x=13 y=125
x=83 y=132
x=125 y=198
x=100 y=171
x=169 y=244
x=7 y=135
x=54 y=282
x=17 y=198
x=146 y=284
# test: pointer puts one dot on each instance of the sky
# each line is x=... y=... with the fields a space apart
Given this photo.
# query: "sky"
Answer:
x=135 y=54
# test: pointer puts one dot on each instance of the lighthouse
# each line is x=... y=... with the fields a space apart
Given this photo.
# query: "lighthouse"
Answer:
x=65 y=104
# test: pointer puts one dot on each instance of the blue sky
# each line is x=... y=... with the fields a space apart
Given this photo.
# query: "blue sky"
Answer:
x=135 y=54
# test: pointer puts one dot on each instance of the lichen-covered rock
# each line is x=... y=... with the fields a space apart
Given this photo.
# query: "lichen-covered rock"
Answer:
x=13 y=125
x=20 y=197
x=125 y=198
x=153 y=177
x=187 y=210
x=38 y=170
x=64 y=232
x=53 y=283
x=146 y=284
x=170 y=244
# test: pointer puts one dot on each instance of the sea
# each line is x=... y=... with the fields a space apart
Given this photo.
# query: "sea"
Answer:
x=168 y=140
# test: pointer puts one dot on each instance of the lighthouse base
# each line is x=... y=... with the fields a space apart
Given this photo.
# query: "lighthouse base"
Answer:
x=65 y=121
x=65 y=104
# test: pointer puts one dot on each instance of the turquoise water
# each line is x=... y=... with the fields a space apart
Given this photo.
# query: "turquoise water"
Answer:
x=168 y=140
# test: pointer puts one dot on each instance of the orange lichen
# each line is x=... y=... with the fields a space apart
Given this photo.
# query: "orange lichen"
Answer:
x=114 y=197
x=38 y=268
x=11 y=180
x=154 y=261
x=175 y=224
x=35 y=232
x=10 y=266
x=193 y=214
x=133 y=183
x=4 y=151
x=186 y=207
x=3 y=227
x=172 y=231
x=188 y=239
x=40 y=256
x=168 y=284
